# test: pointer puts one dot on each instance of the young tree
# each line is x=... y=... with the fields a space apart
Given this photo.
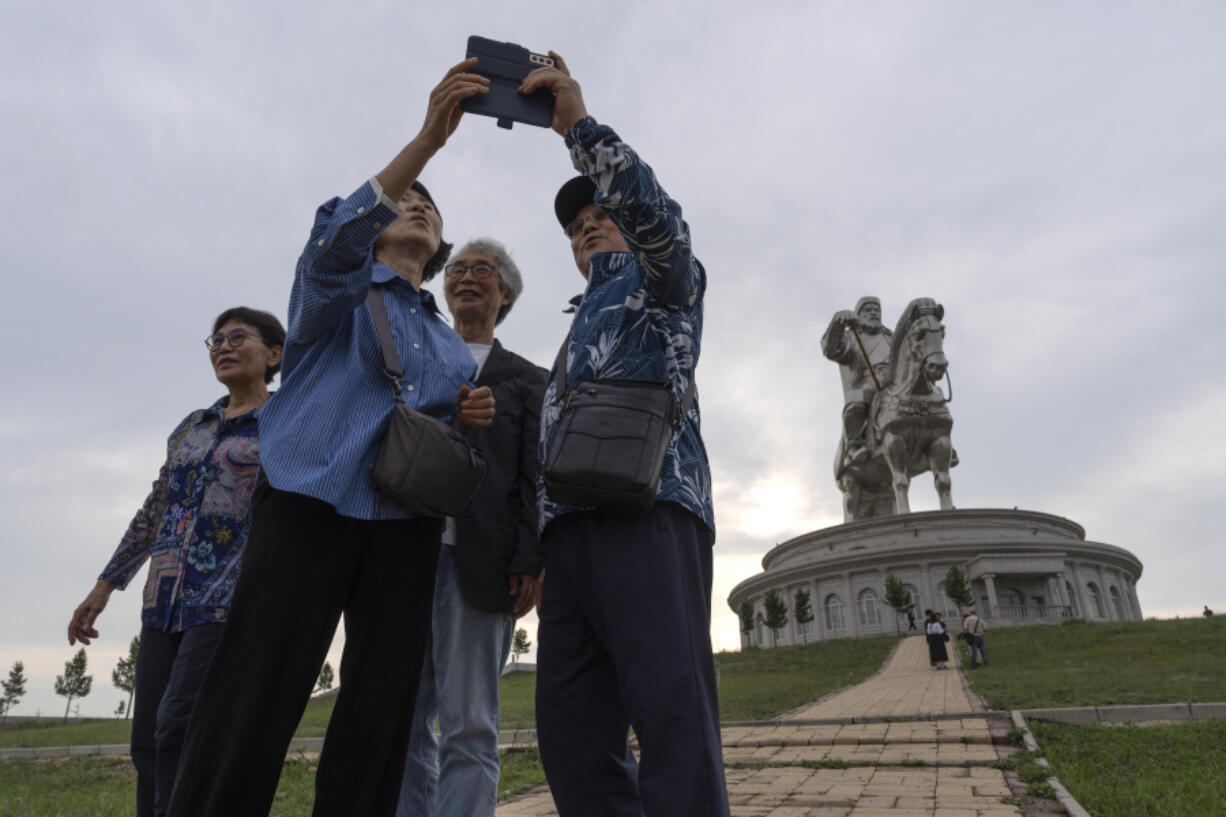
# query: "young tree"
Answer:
x=74 y=683
x=897 y=597
x=776 y=614
x=124 y=674
x=325 y=678
x=958 y=588
x=802 y=611
x=520 y=645
x=745 y=613
x=14 y=689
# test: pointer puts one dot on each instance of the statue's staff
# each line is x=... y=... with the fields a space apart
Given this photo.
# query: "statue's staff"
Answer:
x=872 y=372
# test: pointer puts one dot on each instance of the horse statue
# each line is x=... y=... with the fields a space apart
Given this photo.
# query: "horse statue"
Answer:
x=909 y=422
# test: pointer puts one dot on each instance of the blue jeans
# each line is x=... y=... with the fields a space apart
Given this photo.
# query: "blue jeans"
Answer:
x=977 y=647
x=456 y=774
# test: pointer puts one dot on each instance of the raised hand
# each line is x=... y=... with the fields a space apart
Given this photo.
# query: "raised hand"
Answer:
x=568 y=107
x=443 y=111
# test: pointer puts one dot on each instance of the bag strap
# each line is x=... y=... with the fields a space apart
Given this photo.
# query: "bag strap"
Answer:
x=560 y=367
x=391 y=360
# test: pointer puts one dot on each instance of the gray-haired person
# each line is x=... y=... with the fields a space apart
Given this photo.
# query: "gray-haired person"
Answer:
x=488 y=564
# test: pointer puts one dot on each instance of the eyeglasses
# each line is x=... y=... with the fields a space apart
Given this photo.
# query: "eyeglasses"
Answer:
x=235 y=337
x=479 y=270
x=576 y=226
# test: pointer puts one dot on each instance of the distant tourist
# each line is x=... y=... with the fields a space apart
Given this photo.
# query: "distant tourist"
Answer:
x=1208 y=612
x=938 y=657
x=910 y=620
x=193 y=529
x=972 y=628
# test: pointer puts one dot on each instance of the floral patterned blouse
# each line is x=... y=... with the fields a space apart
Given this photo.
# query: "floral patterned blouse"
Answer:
x=193 y=525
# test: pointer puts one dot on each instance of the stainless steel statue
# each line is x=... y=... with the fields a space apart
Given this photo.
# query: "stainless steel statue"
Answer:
x=896 y=422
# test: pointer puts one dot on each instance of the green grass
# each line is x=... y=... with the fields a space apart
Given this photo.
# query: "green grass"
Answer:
x=1176 y=770
x=517 y=700
x=755 y=684
x=1082 y=664
x=106 y=786
x=761 y=684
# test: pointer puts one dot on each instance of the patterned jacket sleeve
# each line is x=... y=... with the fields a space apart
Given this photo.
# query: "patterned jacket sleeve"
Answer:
x=134 y=547
x=333 y=273
x=650 y=221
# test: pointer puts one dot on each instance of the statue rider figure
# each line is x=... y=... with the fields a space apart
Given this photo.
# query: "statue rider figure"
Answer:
x=853 y=340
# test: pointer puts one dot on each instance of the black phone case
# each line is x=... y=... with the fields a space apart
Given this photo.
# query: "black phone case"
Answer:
x=506 y=65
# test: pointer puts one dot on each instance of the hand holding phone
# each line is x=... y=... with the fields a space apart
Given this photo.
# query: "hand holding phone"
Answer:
x=506 y=65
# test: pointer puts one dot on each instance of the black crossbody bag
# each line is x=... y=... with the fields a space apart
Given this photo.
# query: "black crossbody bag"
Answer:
x=611 y=439
x=426 y=465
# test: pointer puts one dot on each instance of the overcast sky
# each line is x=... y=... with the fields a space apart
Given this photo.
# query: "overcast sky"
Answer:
x=1054 y=173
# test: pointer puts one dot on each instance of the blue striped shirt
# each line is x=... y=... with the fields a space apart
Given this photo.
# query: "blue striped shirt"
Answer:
x=319 y=433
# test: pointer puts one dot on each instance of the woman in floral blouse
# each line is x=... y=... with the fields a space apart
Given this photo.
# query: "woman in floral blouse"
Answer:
x=192 y=528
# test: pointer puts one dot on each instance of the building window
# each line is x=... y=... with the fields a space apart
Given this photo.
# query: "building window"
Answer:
x=912 y=593
x=1072 y=599
x=870 y=615
x=1096 y=601
x=834 y=612
x=1118 y=604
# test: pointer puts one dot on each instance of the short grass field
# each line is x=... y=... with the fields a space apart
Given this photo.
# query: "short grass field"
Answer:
x=1082 y=664
x=754 y=684
x=1175 y=770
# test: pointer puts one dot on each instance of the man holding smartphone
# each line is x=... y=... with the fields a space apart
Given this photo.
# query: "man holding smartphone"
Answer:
x=624 y=636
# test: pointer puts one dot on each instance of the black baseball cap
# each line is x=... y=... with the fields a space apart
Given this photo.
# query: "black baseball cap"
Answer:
x=573 y=197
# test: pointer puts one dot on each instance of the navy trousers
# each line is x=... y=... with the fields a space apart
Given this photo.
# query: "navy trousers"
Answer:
x=169 y=669
x=624 y=640
x=304 y=566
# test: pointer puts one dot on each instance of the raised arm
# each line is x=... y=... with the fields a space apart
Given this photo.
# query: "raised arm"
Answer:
x=326 y=286
x=627 y=189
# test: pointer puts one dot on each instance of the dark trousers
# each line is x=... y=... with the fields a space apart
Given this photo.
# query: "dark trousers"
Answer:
x=169 y=669
x=304 y=566
x=624 y=639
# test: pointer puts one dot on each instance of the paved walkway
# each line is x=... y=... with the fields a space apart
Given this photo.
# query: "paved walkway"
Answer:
x=904 y=743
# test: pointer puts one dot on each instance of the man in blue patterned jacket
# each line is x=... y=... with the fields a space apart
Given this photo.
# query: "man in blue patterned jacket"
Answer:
x=625 y=616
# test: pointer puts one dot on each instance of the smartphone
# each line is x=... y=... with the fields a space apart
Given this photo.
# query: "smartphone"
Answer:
x=506 y=65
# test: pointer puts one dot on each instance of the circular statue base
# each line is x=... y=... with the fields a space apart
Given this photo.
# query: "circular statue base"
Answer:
x=1024 y=567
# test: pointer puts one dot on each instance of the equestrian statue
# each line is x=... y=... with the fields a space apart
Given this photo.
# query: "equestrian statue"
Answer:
x=896 y=420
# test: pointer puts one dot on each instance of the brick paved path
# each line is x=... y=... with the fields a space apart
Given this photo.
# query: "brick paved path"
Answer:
x=924 y=754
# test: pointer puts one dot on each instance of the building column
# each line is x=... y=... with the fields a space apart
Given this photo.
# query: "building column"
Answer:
x=1132 y=596
x=819 y=612
x=989 y=582
x=1079 y=588
x=1062 y=583
x=1105 y=593
x=926 y=589
x=851 y=612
